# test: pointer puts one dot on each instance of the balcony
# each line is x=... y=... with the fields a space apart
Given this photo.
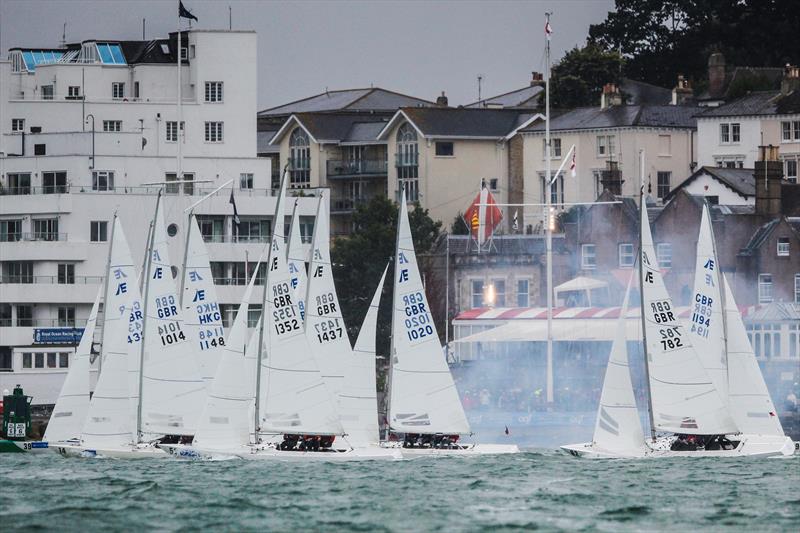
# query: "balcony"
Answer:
x=146 y=190
x=37 y=236
x=347 y=204
x=361 y=168
x=51 y=280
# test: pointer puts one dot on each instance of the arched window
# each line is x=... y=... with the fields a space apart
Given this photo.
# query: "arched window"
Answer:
x=299 y=159
x=408 y=161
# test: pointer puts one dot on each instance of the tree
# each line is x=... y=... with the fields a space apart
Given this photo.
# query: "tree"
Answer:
x=578 y=79
x=459 y=226
x=663 y=38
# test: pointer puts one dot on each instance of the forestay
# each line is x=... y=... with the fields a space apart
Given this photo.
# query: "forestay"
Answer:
x=72 y=404
x=201 y=305
x=296 y=259
x=359 y=394
x=293 y=394
x=110 y=422
x=423 y=396
x=707 y=331
x=172 y=388
x=750 y=402
x=618 y=428
x=684 y=399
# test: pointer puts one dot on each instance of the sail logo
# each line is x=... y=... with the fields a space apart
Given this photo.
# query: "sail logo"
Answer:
x=122 y=288
x=194 y=275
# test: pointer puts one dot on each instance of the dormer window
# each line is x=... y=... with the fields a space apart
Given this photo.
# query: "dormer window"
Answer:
x=783 y=246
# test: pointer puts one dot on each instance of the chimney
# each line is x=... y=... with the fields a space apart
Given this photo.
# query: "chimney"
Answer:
x=611 y=178
x=537 y=79
x=768 y=175
x=716 y=74
x=441 y=101
x=791 y=79
x=682 y=92
x=611 y=96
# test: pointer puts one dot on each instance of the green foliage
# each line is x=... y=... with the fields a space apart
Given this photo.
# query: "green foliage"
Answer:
x=746 y=83
x=459 y=226
x=578 y=79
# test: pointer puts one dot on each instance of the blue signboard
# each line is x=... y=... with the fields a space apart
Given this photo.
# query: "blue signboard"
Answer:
x=57 y=335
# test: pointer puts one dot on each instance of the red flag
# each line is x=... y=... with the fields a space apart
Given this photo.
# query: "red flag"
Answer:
x=547 y=28
x=483 y=219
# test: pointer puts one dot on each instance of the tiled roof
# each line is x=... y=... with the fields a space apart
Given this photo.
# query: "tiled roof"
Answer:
x=502 y=245
x=361 y=132
x=527 y=97
x=348 y=99
x=759 y=237
x=262 y=143
x=669 y=116
x=337 y=127
x=639 y=92
x=740 y=180
x=463 y=122
x=757 y=103
x=746 y=75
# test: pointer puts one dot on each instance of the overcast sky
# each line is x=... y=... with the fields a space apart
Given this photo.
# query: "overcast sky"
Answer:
x=416 y=47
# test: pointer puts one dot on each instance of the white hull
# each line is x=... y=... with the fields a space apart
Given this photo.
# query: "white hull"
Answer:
x=466 y=450
x=749 y=446
x=270 y=453
x=29 y=446
x=142 y=451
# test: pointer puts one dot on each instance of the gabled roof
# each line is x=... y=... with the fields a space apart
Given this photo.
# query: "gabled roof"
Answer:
x=639 y=93
x=757 y=103
x=621 y=116
x=263 y=145
x=454 y=123
x=527 y=97
x=763 y=232
x=370 y=99
x=739 y=180
x=347 y=127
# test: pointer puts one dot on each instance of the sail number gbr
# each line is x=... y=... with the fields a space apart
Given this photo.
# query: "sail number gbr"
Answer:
x=418 y=320
x=284 y=315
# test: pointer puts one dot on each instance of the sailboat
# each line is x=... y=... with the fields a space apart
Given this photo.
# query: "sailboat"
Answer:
x=423 y=401
x=684 y=403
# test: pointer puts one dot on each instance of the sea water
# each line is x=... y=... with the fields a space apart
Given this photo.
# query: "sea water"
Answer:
x=537 y=490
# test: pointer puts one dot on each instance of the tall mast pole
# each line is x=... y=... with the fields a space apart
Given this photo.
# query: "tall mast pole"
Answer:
x=643 y=220
x=723 y=305
x=180 y=132
x=189 y=228
x=548 y=208
x=390 y=370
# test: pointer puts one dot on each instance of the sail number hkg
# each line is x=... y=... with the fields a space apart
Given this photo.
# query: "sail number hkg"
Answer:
x=418 y=320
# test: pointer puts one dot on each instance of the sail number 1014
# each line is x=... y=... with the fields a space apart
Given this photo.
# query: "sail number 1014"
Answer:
x=418 y=320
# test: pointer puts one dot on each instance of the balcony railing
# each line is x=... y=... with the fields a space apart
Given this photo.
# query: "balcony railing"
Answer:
x=51 y=280
x=36 y=236
x=348 y=204
x=361 y=167
x=237 y=281
x=42 y=323
x=152 y=190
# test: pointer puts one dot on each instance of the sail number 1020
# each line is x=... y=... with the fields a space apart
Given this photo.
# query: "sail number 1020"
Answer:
x=418 y=320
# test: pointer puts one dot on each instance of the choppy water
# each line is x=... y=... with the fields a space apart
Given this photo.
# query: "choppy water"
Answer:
x=536 y=490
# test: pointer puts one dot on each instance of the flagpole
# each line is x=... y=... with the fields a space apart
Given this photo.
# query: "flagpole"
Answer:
x=548 y=207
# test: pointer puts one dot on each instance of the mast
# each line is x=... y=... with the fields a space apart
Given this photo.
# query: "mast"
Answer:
x=179 y=176
x=721 y=281
x=148 y=264
x=642 y=218
x=548 y=208
x=105 y=294
x=186 y=258
x=394 y=310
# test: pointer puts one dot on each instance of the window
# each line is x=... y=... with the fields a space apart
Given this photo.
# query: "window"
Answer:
x=172 y=130
x=213 y=132
x=213 y=91
x=246 y=180
x=18 y=182
x=299 y=159
x=556 y=190
x=588 y=257
x=664 y=179
x=74 y=92
x=188 y=183
x=729 y=133
x=253 y=314
x=10 y=230
x=790 y=131
x=51 y=359
x=117 y=90
x=664 y=145
x=136 y=90
x=444 y=149
x=184 y=53
x=555 y=148
x=664 y=254
x=238 y=274
x=523 y=293
x=112 y=125
x=211 y=228
x=40 y=149
x=17 y=272
x=66 y=273
x=730 y=161
x=626 y=256
x=407 y=162
x=17 y=124
x=39 y=360
x=797 y=288
x=27 y=360
x=175 y=188
x=253 y=230
x=790 y=170
x=735 y=133
x=192 y=51
x=102 y=180
x=47 y=92
x=45 y=229
x=713 y=199
x=219 y=272
x=477 y=293
x=63 y=360
x=499 y=292
x=606 y=145
x=98 y=231
x=783 y=246
x=764 y=288
x=24 y=316
x=493 y=184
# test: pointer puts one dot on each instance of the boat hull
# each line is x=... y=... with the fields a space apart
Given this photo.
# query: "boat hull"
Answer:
x=468 y=450
x=23 y=446
x=270 y=453
x=749 y=446
x=145 y=451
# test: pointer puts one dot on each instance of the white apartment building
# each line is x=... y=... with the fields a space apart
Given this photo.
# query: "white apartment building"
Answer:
x=83 y=130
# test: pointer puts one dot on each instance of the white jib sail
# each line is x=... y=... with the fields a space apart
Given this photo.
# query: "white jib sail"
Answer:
x=111 y=421
x=225 y=421
x=749 y=399
x=618 y=428
x=296 y=259
x=684 y=399
x=294 y=397
x=707 y=331
x=423 y=396
x=172 y=388
x=72 y=404
x=201 y=305
x=359 y=395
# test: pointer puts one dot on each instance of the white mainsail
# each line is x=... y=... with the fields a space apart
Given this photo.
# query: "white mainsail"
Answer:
x=749 y=399
x=618 y=428
x=111 y=421
x=225 y=423
x=172 y=388
x=423 y=396
x=707 y=331
x=296 y=259
x=293 y=396
x=359 y=395
x=72 y=404
x=683 y=397
x=201 y=306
